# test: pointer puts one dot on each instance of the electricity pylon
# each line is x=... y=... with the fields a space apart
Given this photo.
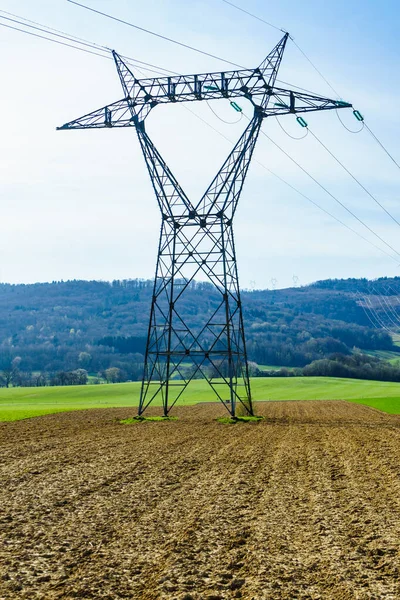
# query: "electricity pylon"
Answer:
x=197 y=237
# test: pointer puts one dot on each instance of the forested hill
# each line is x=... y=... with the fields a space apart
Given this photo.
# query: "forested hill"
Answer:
x=94 y=325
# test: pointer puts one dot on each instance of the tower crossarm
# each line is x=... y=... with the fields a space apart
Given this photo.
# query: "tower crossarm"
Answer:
x=129 y=112
x=117 y=114
x=283 y=101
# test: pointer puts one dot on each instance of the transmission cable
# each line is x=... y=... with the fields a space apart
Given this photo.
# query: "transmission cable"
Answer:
x=72 y=38
x=254 y=16
x=50 y=40
x=379 y=324
x=362 y=300
x=65 y=36
x=173 y=41
x=323 y=77
x=355 y=179
x=290 y=135
x=223 y=120
x=296 y=189
x=291 y=38
x=330 y=194
x=391 y=322
x=52 y=29
x=159 y=35
x=384 y=305
x=385 y=300
x=382 y=146
x=376 y=315
x=348 y=128
x=315 y=68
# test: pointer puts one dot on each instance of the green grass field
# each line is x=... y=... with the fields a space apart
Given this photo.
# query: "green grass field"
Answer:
x=21 y=403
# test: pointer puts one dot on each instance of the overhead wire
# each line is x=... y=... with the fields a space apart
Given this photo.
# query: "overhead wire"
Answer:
x=296 y=189
x=223 y=120
x=321 y=75
x=173 y=41
x=370 y=310
x=355 y=178
x=348 y=128
x=332 y=196
x=384 y=305
x=51 y=40
x=377 y=316
x=62 y=34
x=252 y=15
x=315 y=67
x=153 y=33
x=289 y=134
x=362 y=301
x=291 y=38
x=390 y=307
x=382 y=146
x=51 y=28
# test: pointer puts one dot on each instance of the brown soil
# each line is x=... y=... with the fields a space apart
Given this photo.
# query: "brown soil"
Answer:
x=303 y=505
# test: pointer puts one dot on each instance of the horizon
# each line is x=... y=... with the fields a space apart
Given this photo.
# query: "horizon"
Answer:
x=151 y=280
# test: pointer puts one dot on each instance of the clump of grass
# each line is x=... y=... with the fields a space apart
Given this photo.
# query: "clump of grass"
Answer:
x=243 y=410
x=239 y=419
x=141 y=419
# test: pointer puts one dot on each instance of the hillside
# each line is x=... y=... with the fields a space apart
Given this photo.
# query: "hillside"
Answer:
x=94 y=325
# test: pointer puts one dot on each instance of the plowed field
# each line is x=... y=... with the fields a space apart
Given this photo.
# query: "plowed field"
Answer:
x=305 y=504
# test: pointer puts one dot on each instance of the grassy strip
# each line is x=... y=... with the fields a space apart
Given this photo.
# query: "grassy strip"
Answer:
x=23 y=403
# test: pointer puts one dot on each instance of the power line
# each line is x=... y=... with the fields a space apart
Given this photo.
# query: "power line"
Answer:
x=72 y=38
x=251 y=15
x=173 y=41
x=383 y=147
x=322 y=76
x=295 y=189
x=288 y=134
x=153 y=33
x=345 y=126
x=378 y=324
x=383 y=304
x=221 y=119
x=47 y=30
x=331 y=195
x=315 y=68
x=52 y=29
x=50 y=40
x=355 y=179
x=297 y=46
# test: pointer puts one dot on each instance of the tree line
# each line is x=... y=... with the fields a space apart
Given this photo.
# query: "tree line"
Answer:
x=48 y=330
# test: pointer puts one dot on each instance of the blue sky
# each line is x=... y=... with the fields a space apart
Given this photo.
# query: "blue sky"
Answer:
x=79 y=204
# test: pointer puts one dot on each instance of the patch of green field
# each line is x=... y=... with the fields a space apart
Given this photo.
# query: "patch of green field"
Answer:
x=22 y=403
x=388 y=355
x=388 y=405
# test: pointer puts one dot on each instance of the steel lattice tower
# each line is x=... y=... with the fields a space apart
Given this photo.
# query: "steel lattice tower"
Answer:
x=197 y=237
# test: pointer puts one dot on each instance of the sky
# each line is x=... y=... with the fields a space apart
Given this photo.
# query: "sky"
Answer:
x=79 y=204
